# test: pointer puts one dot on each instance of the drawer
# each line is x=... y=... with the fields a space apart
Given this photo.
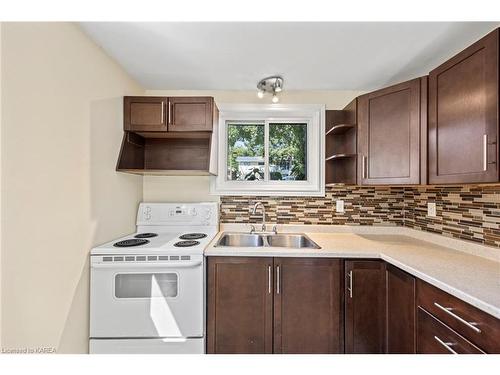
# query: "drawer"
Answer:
x=433 y=337
x=475 y=325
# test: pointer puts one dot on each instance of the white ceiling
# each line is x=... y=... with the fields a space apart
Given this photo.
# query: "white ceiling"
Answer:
x=310 y=56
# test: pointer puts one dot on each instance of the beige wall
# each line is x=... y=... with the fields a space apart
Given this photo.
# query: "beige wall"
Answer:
x=61 y=132
x=189 y=189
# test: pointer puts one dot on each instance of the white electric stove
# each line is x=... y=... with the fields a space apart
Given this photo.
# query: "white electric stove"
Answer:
x=147 y=288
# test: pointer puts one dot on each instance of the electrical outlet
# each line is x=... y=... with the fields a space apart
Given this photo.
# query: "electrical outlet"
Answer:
x=431 y=209
x=339 y=206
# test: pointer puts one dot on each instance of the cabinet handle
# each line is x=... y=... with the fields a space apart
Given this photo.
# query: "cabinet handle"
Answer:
x=448 y=310
x=350 y=283
x=277 y=279
x=169 y=112
x=364 y=166
x=162 y=112
x=269 y=279
x=485 y=152
x=447 y=345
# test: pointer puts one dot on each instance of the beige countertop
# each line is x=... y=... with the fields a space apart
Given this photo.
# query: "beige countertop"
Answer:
x=455 y=268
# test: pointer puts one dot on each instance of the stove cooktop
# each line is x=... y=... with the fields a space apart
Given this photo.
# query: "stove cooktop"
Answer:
x=150 y=243
x=186 y=243
x=192 y=236
x=130 y=242
x=146 y=235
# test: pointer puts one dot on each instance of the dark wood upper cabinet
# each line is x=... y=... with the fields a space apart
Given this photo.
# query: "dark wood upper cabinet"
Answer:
x=145 y=113
x=187 y=114
x=308 y=306
x=463 y=115
x=400 y=312
x=240 y=305
x=175 y=114
x=169 y=136
x=364 y=306
x=390 y=123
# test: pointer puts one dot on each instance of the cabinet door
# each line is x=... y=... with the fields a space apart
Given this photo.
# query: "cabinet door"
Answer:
x=389 y=123
x=400 y=335
x=307 y=305
x=190 y=114
x=463 y=115
x=436 y=338
x=144 y=113
x=240 y=305
x=364 y=306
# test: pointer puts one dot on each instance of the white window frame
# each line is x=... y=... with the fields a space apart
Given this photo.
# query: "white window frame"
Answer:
x=311 y=114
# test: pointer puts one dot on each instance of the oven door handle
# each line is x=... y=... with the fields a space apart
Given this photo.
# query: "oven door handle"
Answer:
x=134 y=265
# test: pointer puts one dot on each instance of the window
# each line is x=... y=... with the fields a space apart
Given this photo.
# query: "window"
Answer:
x=270 y=150
x=245 y=152
x=288 y=152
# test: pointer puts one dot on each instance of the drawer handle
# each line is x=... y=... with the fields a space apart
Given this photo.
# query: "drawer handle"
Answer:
x=448 y=310
x=447 y=345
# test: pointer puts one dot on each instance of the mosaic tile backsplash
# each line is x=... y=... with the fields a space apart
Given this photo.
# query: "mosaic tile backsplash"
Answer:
x=467 y=212
x=363 y=206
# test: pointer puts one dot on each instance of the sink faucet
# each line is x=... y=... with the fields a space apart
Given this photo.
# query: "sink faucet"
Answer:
x=263 y=214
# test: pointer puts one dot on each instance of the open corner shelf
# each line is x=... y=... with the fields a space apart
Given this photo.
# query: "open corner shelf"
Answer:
x=340 y=156
x=340 y=129
x=340 y=146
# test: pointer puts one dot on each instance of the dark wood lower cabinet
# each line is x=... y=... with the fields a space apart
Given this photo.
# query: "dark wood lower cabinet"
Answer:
x=307 y=299
x=436 y=338
x=297 y=305
x=476 y=326
x=364 y=306
x=240 y=305
x=307 y=306
x=400 y=311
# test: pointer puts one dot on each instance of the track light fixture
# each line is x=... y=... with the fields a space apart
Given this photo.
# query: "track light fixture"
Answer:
x=272 y=85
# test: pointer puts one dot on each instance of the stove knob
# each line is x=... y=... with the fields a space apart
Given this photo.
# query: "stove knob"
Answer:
x=194 y=212
x=147 y=216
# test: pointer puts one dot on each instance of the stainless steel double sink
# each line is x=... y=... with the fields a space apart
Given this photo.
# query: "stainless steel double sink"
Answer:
x=289 y=240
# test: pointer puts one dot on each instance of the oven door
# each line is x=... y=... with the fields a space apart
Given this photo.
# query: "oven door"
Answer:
x=146 y=299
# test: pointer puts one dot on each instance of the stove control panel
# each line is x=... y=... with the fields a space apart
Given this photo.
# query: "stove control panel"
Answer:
x=178 y=214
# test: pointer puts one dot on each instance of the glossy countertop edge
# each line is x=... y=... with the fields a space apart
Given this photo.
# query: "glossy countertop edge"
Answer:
x=463 y=274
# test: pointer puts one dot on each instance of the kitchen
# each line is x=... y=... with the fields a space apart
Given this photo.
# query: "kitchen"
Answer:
x=247 y=209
